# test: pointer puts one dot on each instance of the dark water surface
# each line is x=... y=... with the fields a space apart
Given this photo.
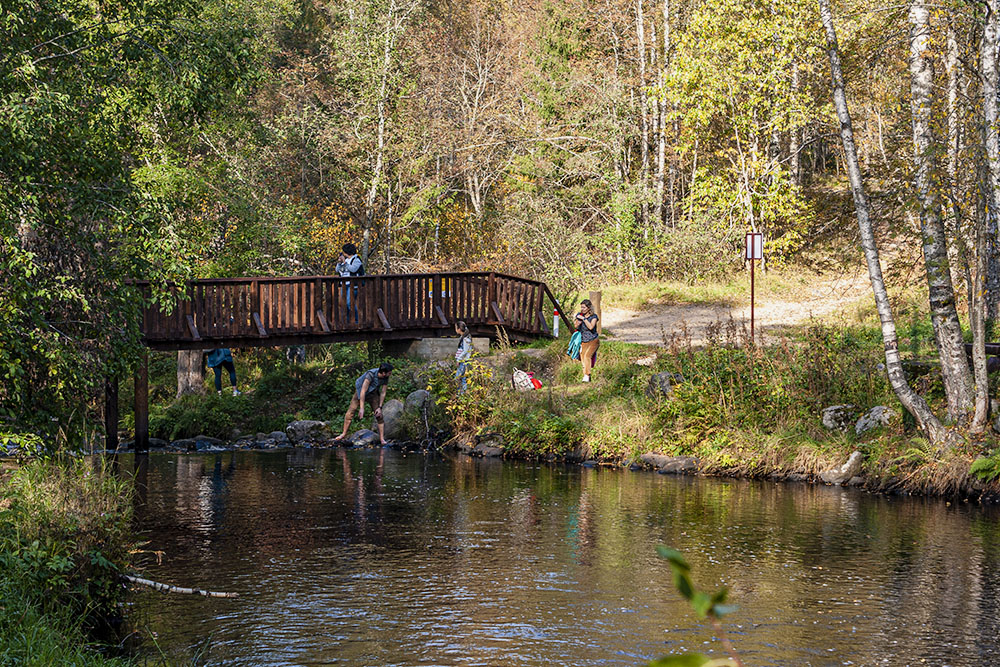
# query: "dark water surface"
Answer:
x=376 y=558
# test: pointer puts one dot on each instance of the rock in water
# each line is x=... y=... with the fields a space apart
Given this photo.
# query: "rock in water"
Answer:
x=839 y=417
x=392 y=413
x=679 y=465
x=279 y=437
x=655 y=460
x=364 y=438
x=308 y=431
x=844 y=473
x=877 y=416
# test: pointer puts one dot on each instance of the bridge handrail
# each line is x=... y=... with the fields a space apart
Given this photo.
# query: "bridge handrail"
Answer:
x=262 y=306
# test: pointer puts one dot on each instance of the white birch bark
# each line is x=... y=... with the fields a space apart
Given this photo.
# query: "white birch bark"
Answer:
x=991 y=141
x=644 y=106
x=958 y=385
x=926 y=419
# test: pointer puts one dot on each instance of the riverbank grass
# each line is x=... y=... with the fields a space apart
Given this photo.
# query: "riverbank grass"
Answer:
x=65 y=537
x=740 y=410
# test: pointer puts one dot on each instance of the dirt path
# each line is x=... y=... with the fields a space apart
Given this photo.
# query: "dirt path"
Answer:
x=658 y=322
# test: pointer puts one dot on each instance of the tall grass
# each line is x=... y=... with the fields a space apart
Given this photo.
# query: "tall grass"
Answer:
x=739 y=407
x=65 y=537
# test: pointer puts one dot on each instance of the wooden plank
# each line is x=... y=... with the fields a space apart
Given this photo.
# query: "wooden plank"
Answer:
x=496 y=313
x=383 y=320
x=321 y=318
x=337 y=304
x=544 y=326
x=254 y=301
x=558 y=306
x=491 y=293
x=192 y=328
x=261 y=331
x=539 y=310
x=441 y=318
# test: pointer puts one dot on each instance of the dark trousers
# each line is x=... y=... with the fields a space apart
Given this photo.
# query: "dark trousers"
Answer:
x=228 y=365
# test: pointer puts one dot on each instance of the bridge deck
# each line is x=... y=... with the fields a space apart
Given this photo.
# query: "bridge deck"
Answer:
x=255 y=312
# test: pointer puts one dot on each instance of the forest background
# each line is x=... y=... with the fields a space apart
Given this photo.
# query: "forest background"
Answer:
x=576 y=142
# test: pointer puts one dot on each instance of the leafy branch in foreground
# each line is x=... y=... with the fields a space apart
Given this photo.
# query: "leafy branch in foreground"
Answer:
x=707 y=606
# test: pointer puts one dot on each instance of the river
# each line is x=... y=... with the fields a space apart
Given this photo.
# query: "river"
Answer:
x=378 y=558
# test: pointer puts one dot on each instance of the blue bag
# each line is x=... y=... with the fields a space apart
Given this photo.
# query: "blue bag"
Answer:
x=574 y=346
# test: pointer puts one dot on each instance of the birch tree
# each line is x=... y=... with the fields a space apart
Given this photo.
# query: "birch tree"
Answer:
x=944 y=314
x=917 y=406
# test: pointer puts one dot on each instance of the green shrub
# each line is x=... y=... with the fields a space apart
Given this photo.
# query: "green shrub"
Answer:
x=65 y=536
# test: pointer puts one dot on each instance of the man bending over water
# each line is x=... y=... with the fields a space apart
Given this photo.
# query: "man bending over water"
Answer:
x=369 y=388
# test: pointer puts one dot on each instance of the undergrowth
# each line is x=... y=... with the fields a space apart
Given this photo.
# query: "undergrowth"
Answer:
x=739 y=409
x=65 y=537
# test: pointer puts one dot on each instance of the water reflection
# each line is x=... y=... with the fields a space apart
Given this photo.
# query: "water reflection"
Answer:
x=376 y=558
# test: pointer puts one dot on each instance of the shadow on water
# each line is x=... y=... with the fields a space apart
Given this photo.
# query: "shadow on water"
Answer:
x=380 y=558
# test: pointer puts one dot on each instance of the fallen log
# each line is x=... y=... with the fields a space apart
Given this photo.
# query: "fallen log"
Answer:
x=167 y=588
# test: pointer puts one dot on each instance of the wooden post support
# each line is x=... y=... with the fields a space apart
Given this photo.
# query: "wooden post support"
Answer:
x=496 y=312
x=193 y=329
x=142 y=404
x=261 y=331
x=111 y=414
x=382 y=319
x=595 y=298
x=441 y=316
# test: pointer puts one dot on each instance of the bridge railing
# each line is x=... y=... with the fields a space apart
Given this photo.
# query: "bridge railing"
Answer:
x=249 y=308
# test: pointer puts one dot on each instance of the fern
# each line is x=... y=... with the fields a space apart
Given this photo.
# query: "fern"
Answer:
x=987 y=468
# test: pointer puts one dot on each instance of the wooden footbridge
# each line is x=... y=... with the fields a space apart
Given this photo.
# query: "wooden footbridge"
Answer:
x=274 y=312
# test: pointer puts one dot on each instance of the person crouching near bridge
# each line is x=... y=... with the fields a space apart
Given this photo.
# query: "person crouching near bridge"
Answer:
x=369 y=388
x=218 y=359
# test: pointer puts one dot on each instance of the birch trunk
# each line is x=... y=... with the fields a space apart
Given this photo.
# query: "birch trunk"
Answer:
x=794 y=143
x=954 y=223
x=910 y=400
x=944 y=315
x=644 y=116
x=991 y=142
x=659 y=111
x=991 y=81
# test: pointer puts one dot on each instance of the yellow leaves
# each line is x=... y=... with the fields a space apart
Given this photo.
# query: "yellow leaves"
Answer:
x=327 y=231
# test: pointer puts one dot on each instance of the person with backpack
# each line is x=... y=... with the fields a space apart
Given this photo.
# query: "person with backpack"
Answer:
x=350 y=266
x=462 y=354
x=369 y=389
x=586 y=325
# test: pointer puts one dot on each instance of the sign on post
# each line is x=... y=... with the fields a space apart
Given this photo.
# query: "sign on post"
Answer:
x=753 y=252
x=754 y=246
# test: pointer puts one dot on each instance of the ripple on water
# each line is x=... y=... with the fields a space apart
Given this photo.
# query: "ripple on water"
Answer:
x=370 y=558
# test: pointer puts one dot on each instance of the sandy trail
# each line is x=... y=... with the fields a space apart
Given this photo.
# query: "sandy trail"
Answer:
x=656 y=324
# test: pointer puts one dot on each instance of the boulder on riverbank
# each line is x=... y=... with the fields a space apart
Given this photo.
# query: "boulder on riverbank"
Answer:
x=839 y=417
x=877 y=416
x=679 y=465
x=655 y=460
x=392 y=413
x=488 y=445
x=843 y=474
